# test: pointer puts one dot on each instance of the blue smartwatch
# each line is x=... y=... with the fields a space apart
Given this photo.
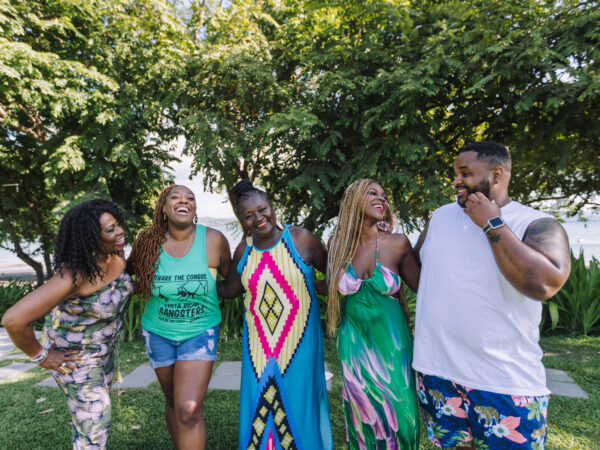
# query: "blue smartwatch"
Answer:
x=493 y=223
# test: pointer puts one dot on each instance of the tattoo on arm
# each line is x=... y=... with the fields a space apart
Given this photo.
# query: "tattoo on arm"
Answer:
x=549 y=238
x=493 y=237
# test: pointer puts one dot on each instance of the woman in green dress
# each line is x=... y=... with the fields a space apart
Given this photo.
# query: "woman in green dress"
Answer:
x=366 y=262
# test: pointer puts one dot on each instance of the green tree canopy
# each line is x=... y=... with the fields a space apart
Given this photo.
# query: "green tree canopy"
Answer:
x=302 y=96
x=307 y=96
x=80 y=115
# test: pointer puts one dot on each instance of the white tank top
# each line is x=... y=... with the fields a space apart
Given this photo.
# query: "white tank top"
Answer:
x=472 y=326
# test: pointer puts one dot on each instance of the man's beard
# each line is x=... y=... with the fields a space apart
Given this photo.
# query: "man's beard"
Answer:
x=484 y=187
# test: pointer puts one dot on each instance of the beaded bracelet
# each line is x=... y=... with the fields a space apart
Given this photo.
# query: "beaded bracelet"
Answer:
x=40 y=358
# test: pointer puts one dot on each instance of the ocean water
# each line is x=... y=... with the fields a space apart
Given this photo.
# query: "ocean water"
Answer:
x=11 y=265
x=583 y=236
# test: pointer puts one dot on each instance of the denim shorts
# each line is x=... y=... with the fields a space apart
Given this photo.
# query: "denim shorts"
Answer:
x=165 y=352
x=457 y=415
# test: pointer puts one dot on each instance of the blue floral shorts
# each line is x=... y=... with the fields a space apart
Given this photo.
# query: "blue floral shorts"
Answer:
x=457 y=415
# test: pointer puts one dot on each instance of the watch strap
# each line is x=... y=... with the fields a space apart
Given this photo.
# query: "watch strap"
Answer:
x=490 y=226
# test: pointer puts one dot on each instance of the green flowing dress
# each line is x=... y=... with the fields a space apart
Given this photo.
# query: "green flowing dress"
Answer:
x=375 y=352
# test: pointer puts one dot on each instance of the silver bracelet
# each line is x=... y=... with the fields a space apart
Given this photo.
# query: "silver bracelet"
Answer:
x=40 y=358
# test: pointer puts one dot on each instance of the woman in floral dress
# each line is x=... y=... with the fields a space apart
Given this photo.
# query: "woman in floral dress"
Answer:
x=366 y=263
x=86 y=300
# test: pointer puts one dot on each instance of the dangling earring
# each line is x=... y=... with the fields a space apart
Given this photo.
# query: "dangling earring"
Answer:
x=382 y=225
x=249 y=238
x=165 y=216
x=195 y=219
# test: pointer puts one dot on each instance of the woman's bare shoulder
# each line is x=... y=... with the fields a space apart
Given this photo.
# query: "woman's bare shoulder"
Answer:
x=213 y=233
x=397 y=241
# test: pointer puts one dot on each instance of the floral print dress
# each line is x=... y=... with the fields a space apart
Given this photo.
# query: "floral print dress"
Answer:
x=92 y=325
x=375 y=352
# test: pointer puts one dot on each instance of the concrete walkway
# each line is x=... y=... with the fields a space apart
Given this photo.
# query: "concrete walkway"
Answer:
x=227 y=374
x=560 y=383
x=19 y=361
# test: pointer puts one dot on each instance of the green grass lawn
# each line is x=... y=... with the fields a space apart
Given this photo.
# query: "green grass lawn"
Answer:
x=37 y=417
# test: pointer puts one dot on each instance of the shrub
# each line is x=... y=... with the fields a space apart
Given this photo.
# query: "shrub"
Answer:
x=232 y=317
x=411 y=303
x=575 y=309
x=132 y=328
x=13 y=291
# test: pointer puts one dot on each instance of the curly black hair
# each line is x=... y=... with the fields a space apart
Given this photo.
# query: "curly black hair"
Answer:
x=244 y=189
x=78 y=238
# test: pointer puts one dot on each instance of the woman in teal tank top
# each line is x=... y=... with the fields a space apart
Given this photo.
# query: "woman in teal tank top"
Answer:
x=366 y=263
x=175 y=263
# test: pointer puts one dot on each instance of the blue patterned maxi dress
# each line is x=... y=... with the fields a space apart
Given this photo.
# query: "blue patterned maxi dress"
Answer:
x=283 y=399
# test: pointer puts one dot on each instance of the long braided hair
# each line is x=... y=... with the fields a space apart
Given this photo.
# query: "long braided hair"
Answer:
x=342 y=246
x=143 y=260
x=79 y=237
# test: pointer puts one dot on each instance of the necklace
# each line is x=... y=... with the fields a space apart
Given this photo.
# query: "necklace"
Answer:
x=186 y=248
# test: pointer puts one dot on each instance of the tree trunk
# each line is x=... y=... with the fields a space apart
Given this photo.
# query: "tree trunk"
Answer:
x=48 y=264
x=39 y=270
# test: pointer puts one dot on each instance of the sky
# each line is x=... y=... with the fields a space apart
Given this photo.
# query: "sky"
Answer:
x=208 y=205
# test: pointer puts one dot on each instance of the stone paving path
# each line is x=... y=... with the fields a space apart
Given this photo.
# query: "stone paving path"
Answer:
x=560 y=383
x=20 y=363
x=227 y=374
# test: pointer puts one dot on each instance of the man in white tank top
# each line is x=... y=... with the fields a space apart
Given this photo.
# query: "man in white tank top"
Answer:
x=487 y=265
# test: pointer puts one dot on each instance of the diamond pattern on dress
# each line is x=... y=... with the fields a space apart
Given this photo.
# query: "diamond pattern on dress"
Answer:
x=275 y=314
x=279 y=430
x=270 y=307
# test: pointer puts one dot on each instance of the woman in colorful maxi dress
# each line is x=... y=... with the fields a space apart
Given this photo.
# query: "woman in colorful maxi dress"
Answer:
x=87 y=300
x=283 y=398
x=366 y=263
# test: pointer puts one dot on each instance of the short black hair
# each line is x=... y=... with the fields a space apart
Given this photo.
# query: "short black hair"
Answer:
x=491 y=152
x=78 y=238
x=244 y=189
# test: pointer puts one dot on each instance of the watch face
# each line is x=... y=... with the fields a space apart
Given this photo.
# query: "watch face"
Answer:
x=496 y=222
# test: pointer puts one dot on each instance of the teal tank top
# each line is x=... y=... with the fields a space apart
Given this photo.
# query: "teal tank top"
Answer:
x=183 y=302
